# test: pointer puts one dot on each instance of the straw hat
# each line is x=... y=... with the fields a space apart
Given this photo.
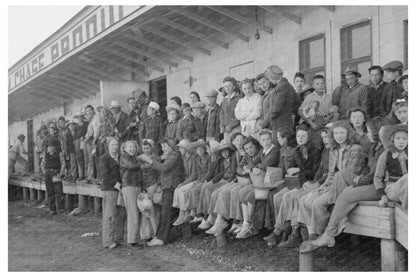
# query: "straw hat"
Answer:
x=223 y=145
x=194 y=145
x=184 y=144
x=115 y=104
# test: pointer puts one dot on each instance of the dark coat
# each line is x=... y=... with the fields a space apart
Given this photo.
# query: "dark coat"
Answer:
x=110 y=172
x=121 y=123
x=130 y=171
x=308 y=167
x=171 y=170
x=213 y=123
x=227 y=114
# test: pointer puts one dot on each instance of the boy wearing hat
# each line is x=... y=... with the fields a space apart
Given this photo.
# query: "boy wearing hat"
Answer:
x=213 y=119
x=121 y=121
x=51 y=165
x=14 y=154
x=198 y=110
x=353 y=95
x=153 y=126
x=188 y=127
x=174 y=113
x=392 y=73
x=80 y=132
x=228 y=122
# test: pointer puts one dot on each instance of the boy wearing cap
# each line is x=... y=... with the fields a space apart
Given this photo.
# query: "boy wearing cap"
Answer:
x=392 y=73
x=353 y=95
x=228 y=122
x=213 y=119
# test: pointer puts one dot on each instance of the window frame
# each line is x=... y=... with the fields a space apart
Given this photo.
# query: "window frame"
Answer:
x=355 y=61
x=310 y=72
x=405 y=43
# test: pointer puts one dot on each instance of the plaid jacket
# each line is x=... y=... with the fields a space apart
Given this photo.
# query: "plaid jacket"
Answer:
x=153 y=128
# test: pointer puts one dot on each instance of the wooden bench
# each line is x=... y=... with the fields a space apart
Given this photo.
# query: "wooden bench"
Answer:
x=387 y=223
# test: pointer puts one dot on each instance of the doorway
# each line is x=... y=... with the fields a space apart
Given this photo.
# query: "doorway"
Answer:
x=158 y=94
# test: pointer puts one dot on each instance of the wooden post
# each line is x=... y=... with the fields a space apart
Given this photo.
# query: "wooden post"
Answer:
x=186 y=230
x=82 y=203
x=306 y=261
x=69 y=201
x=25 y=194
x=97 y=205
x=392 y=256
x=46 y=197
x=33 y=194
x=41 y=195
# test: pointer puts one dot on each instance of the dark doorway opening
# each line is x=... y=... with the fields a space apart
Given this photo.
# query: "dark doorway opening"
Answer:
x=158 y=93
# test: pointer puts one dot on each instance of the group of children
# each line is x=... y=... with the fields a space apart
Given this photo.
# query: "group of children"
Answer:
x=241 y=167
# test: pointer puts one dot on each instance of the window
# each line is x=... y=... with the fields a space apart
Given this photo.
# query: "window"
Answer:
x=405 y=43
x=356 y=48
x=312 y=57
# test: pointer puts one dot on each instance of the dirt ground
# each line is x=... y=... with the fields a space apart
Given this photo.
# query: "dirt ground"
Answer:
x=40 y=242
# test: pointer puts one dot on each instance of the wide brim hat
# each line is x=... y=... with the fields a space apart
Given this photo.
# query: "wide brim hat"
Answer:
x=352 y=70
x=307 y=88
x=194 y=145
x=221 y=147
x=173 y=106
x=99 y=108
x=70 y=122
x=115 y=104
x=184 y=144
x=79 y=115
x=387 y=131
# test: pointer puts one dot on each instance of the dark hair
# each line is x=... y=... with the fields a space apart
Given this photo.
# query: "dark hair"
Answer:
x=196 y=94
x=305 y=128
x=375 y=124
x=260 y=76
x=234 y=135
x=350 y=133
x=89 y=107
x=230 y=79
x=247 y=81
x=376 y=67
x=249 y=139
x=318 y=76
x=286 y=132
x=299 y=75
x=177 y=100
x=353 y=110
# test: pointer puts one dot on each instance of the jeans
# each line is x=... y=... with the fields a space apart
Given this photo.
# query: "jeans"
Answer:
x=398 y=192
x=54 y=190
x=113 y=219
x=79 y=155
x=165 y=215
x=130 y=202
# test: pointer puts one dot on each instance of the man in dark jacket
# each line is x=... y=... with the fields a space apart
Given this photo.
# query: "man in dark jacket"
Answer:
x=376 y=90
x=228 y=123
x=213 y=117
x=392 y=73
x=80 y=132
x=121 y=120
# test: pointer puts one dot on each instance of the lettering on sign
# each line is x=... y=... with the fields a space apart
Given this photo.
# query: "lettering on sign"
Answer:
x=81 y=32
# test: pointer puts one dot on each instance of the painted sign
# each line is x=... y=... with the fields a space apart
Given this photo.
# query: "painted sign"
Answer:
x=78 y=34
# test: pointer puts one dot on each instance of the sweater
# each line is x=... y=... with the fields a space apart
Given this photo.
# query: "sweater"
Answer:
x=110 y=172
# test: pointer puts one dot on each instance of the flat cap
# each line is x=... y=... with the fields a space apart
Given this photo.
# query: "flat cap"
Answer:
x=212 y=93
x=393 y=66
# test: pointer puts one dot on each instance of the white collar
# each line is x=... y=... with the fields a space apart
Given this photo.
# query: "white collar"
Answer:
x=265 y=152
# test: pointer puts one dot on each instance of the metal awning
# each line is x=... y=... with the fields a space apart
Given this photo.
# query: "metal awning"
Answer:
x=151 y=38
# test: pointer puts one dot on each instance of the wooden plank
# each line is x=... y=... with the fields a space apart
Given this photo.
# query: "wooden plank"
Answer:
x=288 y=15
x=401 y=219
x=100 y=72
x=146 y=54
x=367 y=231
x=78 y=82
x=156 y=46
x=192 y=32
x=86 y=79
x=211 y=24
x=392 y=256
x=329 y=8
x=243 y=19
x=118 y=64
x=176 y=40
x=116 y=51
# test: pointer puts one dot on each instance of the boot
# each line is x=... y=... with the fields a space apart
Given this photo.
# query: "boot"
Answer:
x=304 y=233
x=294 y=238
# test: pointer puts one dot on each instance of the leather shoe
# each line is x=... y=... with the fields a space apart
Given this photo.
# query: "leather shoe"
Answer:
x=272 y=237
x=156 y=242
x=323 y=240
